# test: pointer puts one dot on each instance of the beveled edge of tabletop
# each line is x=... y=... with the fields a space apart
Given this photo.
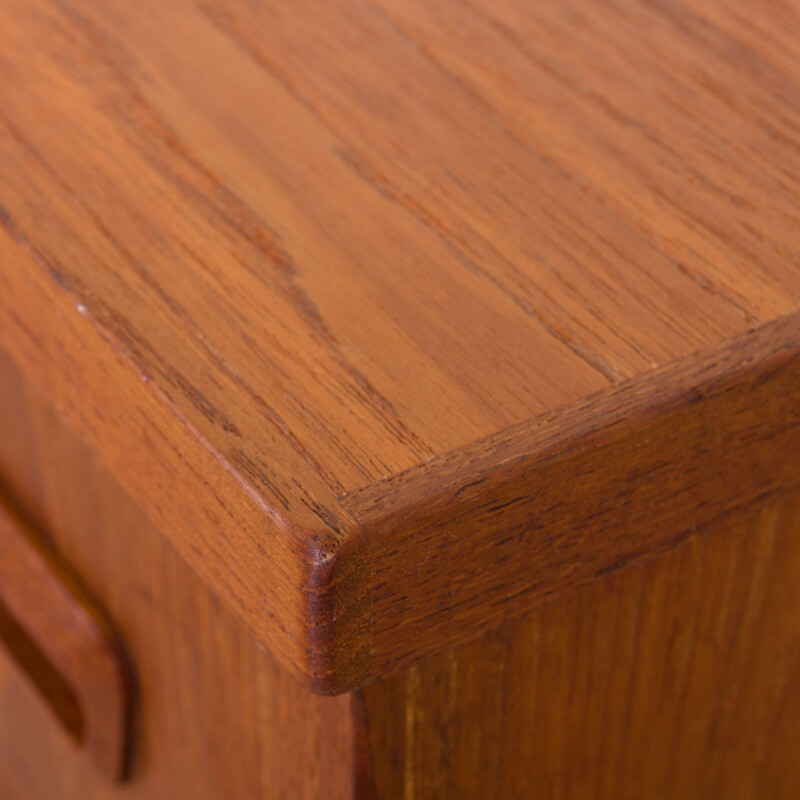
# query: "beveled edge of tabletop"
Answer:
x=434 y=556
x=480 y=535
x=351 y=589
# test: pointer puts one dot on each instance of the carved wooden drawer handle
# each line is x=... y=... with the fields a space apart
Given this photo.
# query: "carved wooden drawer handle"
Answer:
x=58 y=638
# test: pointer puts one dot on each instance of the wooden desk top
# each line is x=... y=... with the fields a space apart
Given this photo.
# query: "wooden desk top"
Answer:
x=399 y=316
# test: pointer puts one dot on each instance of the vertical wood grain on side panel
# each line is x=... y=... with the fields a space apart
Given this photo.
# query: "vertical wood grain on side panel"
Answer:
x=677 y=679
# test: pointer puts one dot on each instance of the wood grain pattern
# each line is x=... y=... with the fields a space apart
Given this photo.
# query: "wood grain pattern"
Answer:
x=62 y=643
x=678 y=679
x=217 y=718
x=547 y=506
x=287 y=260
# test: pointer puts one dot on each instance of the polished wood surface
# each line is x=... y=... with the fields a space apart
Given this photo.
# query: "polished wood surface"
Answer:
x=215 y=717
x=61 y=642
x=290 y=259
x=600 y=485
x=675 y=680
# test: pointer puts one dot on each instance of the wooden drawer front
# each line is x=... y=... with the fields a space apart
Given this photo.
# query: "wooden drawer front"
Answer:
x=60 y=640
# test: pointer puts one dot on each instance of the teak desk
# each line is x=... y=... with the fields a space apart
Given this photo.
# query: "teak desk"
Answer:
x=399 y=399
